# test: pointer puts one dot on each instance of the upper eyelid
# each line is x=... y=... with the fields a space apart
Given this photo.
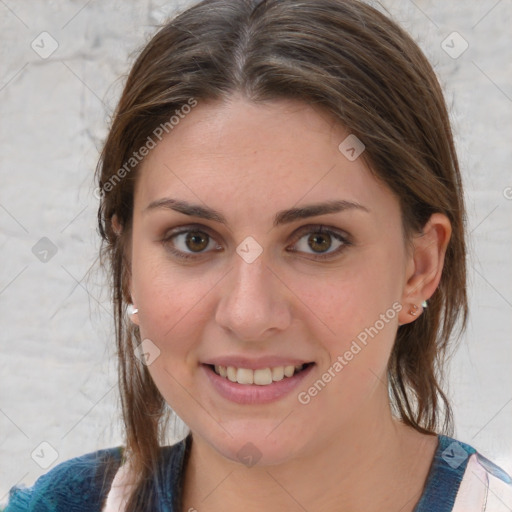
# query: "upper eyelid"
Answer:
x=321 y=228
x=179 y=230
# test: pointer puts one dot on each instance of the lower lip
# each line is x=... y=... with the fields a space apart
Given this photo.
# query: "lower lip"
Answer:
x=252 y=393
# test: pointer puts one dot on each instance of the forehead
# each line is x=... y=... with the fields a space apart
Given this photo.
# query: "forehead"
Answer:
x=256 y=156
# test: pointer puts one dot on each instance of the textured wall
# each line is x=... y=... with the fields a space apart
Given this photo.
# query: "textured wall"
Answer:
x=61 y=71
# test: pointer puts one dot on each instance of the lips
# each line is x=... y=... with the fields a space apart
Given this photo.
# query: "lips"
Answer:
x=252 y=393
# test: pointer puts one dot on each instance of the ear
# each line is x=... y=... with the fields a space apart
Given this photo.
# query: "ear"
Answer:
x=133 y=313
x=132 y=310
x=425 y=266
x=116 y=225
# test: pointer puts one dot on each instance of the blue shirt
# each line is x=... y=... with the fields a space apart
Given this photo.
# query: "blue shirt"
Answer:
x=82 y=484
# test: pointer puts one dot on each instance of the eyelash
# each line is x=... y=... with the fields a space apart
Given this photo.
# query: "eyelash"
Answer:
x=312 y=229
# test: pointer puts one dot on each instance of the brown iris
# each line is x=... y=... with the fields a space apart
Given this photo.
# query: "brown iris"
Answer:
x=322 y=241
x=196 y=237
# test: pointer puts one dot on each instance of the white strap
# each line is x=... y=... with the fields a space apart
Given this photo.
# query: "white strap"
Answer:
x=481 y=490
x=119 y=491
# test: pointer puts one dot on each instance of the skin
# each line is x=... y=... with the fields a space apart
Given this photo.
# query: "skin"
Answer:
x=343 y=450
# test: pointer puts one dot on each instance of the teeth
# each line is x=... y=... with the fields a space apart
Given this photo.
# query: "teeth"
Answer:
x=244 y=376
x=278 y=373
x=231 y=373
x=261 y=377
x=289 y=371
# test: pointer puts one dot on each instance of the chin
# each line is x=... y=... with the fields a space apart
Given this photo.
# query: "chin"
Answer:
x=252 y=445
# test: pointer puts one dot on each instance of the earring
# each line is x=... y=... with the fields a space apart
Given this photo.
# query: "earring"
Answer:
x=424 y=304
x=414 y=311
x=131 y=310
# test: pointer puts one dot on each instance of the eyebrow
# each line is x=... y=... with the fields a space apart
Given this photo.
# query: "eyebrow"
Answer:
x=282 y=217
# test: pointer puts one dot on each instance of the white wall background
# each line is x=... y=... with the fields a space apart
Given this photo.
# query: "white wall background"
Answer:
x=58 y=382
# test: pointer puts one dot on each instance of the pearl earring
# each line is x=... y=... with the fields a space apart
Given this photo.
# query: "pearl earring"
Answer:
x=131 y=310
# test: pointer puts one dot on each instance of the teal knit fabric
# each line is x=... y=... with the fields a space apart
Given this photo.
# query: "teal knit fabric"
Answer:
x=79 y=484
x=82 y=484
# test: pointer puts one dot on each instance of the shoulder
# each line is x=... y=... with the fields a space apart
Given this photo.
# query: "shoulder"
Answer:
x=463 y=480
x=77 y=484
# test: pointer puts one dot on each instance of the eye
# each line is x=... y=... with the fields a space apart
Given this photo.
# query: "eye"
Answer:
x=324 y=242
x=189 y=242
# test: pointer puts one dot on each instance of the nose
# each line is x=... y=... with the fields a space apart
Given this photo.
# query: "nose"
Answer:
x=253 y=304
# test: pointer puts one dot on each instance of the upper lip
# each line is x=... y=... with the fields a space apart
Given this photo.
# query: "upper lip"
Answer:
x=255 y=363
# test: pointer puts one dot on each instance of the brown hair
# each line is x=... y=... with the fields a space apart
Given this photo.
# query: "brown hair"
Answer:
x=348 y=59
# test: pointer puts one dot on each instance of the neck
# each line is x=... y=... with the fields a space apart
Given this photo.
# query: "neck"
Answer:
x=374 y=463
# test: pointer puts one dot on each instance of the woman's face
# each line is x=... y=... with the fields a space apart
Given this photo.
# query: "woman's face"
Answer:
x=244 y=278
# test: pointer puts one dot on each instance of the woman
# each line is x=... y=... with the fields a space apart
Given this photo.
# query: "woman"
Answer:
x=283 y=218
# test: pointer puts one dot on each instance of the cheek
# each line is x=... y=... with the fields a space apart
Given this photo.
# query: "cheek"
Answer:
x=169 y=303
x=171 y=315
x=161 y=299
x=357 y=332
x=354 y=317
x=352 y=298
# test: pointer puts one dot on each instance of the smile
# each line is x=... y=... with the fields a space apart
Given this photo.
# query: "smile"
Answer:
x=258 y=386
x=260 y=377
